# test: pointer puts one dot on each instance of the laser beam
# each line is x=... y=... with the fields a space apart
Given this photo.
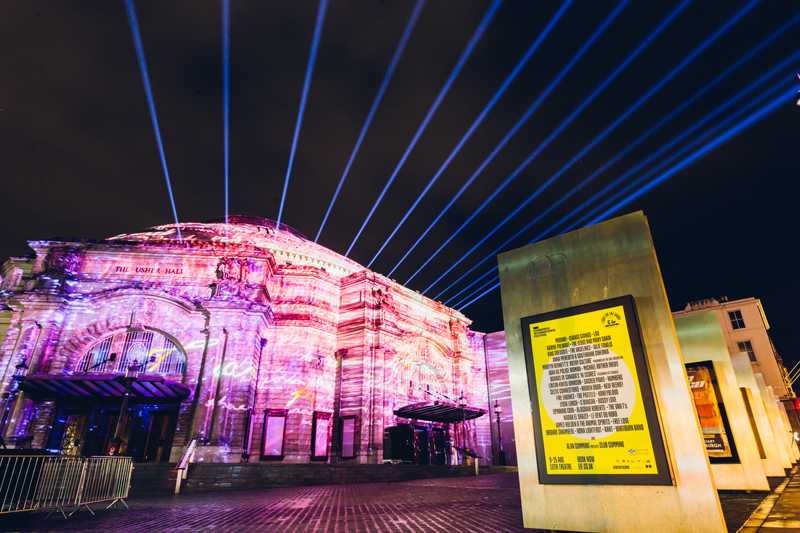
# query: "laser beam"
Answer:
x=491 y=282
x=787 y=96
x=671 y=159
x=596 y=140
x=666 y=162
x=741 y=125
x=226 y=25
x=781 y=66
x=133 y=22
x=312 y=59
x=468 y=285
x=476 y=36
x=477 y=122
x=387 y=77
x=514 y=129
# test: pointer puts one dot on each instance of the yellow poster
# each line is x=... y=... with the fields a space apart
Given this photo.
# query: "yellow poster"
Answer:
x=593 y=418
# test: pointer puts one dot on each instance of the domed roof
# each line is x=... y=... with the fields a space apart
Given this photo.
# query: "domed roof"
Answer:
x=286 y=244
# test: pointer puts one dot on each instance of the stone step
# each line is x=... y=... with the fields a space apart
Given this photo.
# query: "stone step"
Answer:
x=153 y=478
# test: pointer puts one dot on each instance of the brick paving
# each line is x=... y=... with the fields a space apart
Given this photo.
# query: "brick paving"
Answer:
x=489 y=503
x=486 y=503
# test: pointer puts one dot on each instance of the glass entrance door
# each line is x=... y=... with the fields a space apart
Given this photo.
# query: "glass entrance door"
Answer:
x=150 y=432
x=83 y=429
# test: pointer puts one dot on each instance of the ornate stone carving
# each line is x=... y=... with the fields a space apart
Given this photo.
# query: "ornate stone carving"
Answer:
x=64 y=261
x=240 y=278
x=229 y=269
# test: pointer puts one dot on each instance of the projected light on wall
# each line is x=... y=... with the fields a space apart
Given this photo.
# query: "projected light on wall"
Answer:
x=254 y=323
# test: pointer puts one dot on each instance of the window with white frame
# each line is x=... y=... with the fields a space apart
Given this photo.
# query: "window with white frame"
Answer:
x=737 y=322
x=747 y=346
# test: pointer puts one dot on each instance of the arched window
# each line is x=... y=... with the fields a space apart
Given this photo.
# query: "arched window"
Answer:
x=149 y=351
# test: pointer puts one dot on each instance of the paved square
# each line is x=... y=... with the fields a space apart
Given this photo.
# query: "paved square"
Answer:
x=487 y=503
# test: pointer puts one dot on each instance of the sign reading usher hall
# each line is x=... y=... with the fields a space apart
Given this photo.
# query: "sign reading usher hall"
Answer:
x=594 y=413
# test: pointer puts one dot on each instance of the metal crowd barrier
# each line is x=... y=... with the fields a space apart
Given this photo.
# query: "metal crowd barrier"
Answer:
x=62 y=484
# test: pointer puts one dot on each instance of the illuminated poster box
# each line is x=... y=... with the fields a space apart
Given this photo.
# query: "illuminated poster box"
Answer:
x=710 y=409
x=594 y=414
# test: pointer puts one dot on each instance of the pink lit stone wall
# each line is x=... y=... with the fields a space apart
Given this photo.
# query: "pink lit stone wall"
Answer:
x=500 y=391
x=268 y=321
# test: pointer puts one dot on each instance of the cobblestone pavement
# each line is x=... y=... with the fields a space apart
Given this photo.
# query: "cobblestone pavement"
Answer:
x=485 y=504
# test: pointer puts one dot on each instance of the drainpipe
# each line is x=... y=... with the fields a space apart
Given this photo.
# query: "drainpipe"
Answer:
x=337 y=405
x=198 y=386
x=248 y=423
x=210 y=434
x=489 y=399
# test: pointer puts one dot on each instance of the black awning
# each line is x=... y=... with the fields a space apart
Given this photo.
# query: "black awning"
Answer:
x=145 y=388
x=439 y=412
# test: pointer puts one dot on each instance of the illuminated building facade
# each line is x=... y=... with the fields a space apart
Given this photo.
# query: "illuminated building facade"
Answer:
x=265 y=344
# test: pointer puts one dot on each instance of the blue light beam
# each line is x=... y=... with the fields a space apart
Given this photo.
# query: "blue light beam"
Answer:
x=477 y=122
x=489 y=283
x=663 y=164
x=476 y=36
x=734 y=130
x=754 y=118
x=610 y=200
x=514 y=129
x=387 y=77
x=312 y=59
x=226 y=46
x=644 y=162
x=468 y=285
x=596 y=140
x=130 y=8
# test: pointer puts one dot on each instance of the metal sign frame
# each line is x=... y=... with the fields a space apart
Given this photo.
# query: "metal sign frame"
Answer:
x=726 y=426
x=663 y=477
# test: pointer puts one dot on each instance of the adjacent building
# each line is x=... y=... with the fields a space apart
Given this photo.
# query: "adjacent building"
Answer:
x=259 y=342
x=746 y=329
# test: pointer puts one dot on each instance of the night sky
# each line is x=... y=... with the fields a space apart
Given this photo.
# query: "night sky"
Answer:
x=79 y=158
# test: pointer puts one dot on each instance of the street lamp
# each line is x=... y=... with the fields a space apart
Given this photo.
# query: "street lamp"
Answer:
x=131 y=373
x=501 y=454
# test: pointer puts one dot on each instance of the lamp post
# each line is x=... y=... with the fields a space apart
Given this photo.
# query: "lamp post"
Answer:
x=501 y=454
x=131 y=373
x=462 y=404
x=9 y=397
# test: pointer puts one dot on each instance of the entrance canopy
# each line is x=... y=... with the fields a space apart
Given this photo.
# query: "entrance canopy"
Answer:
x=439 y=412
x=146 y=388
